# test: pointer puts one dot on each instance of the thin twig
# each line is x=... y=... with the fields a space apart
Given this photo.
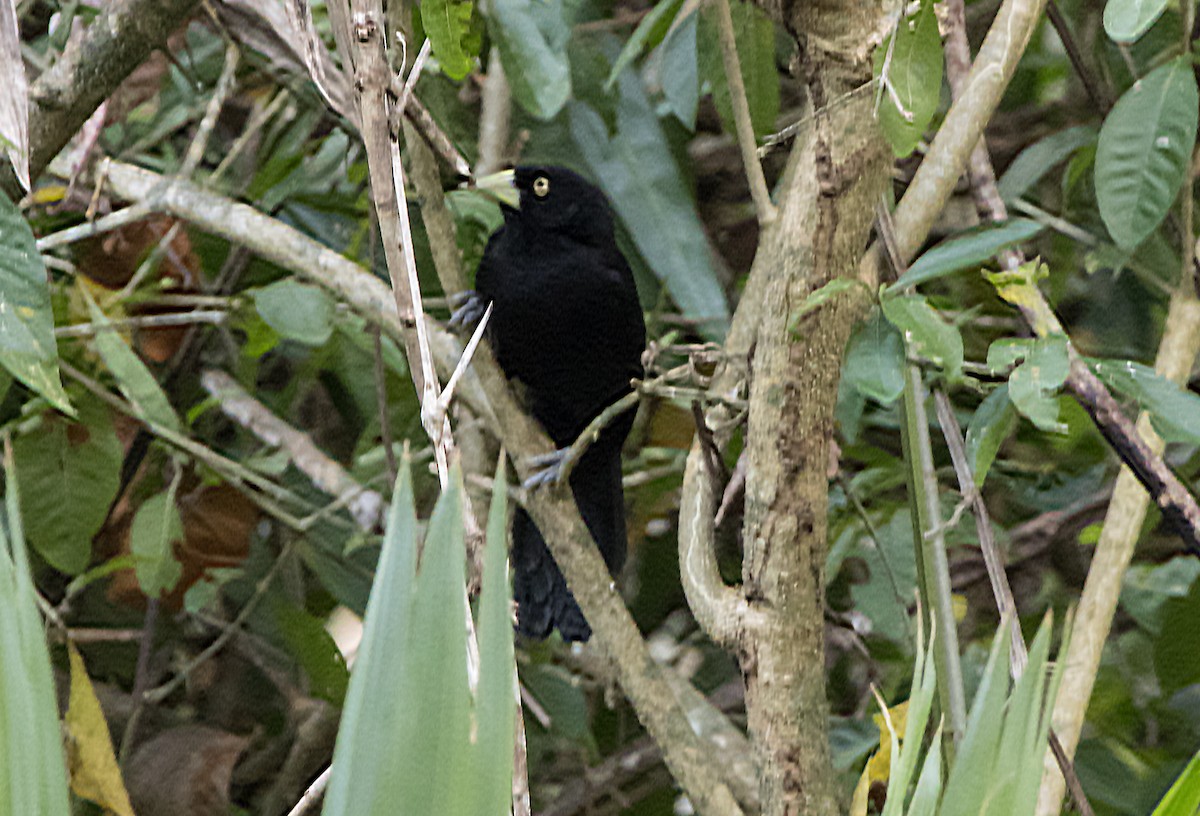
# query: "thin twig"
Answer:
x=157 y=695
x=143 y=322
x=312 y=795
x=224 y=86
x=741 y=115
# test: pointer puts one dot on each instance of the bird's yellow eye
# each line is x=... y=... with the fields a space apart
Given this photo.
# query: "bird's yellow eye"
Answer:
x=541 y=187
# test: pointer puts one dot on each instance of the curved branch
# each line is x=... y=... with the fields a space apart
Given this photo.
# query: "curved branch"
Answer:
x=722 y=611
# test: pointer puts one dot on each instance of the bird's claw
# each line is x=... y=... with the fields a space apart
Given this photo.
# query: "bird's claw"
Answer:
x=466 y=309
x=548 y=468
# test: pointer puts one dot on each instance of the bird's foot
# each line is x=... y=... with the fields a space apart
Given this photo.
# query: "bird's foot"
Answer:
x=466 y=309
x=550 y=468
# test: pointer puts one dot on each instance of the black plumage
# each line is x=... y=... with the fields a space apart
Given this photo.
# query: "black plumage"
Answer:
x=567 y=324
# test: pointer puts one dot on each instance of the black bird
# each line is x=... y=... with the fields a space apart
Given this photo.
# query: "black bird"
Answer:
x=566 y=323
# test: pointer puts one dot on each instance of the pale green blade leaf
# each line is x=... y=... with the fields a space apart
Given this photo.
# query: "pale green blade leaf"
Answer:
x=1183 y=799
x=1032 y=163
x=366 y=762
x=33 y=778
x=495 y=706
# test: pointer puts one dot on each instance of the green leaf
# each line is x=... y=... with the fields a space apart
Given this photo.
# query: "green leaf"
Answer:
x=1036 y=160
x=1147 y=588
x=1174 y=412
x=875 y=360
x=1032 y=385
x=496 y=707
x=133 y=378
x=968 y=251
x=927 y=335
x=909 y=65
x=33 y=777
x=754 y=34
x=823 y=295
x=313 y=648
x=1176 y=658
x=297 y=311
x=27 y=347
x=637 y=171
x=1144 y=151
x=1127 y=20
x=76 y=463
x=993 y=421
x=365 y=778
x=649 y=33
x=679 y=70
x=155 y=529
x=1183 y=799
x=533 y=38
x=447 y=25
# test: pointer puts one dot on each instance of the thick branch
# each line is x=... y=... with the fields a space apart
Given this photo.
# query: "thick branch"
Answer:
x=115 y=43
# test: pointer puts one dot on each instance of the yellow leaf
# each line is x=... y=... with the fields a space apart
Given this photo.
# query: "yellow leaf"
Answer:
x=50 y=194
x=879 y=766
x=93 y=766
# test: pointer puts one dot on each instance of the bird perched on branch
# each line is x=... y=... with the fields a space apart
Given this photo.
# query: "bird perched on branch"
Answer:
x=567 y=324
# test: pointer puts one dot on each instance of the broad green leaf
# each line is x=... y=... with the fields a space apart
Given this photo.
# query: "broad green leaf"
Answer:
x=27 y=347
x=297 y=311
x=33 y=777
x=156 y=528
x=679 y=70
x=649 y=33
x=1127 y=20
x=1183 y=799
x=637 y=171
x=968 y=251
x=1144 y=151
x=447 y=24
x=1174 y=412
x=993 y=421
x=314 y=649
x=1147 y=588
x=754 y=34
x=496 y=694
x=366 y=766
x=875 y=360
x=1033 y=383
x=1176 y=658
x=133 y=378
x=908 y=65
x=1036 y=160
x=77 y=464
x=533 y=37
x=95 y=774
x=928 y=336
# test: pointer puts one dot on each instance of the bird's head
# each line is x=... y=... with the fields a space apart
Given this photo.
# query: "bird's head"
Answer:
x=545 y=198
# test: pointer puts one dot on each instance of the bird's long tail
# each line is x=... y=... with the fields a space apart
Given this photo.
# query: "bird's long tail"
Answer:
x=543 y=601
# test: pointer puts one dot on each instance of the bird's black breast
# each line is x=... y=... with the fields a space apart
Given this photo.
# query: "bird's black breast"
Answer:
x=566 y=322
